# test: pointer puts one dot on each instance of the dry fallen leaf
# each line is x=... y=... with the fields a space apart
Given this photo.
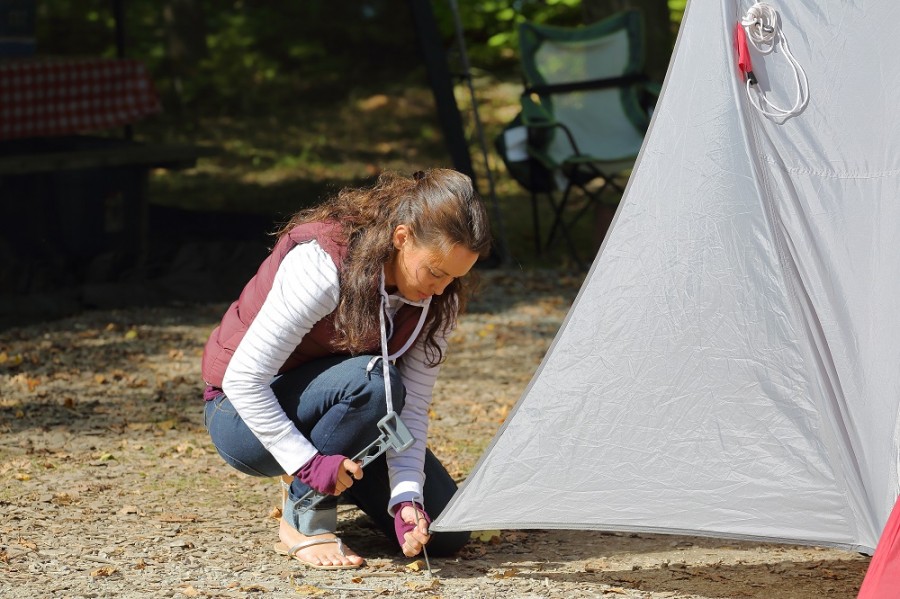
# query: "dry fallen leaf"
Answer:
x=63 y=499
x=418 y=587
x=308 y=589
x=486 y=536
x=11 y=361
x=511 y=572
x=416 y=566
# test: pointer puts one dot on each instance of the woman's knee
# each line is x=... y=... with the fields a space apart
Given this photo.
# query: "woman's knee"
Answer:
x=234 y=441
x=447 y=544
x=374 y=390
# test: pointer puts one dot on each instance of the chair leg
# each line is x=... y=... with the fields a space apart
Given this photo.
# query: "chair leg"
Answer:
x=537 y=225
x=593 y=198
x=559 y=224
x=558 y=213
x=573 y=251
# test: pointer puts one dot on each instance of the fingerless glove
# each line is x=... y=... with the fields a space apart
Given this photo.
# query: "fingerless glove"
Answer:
x=401 y=527
x=321 y=472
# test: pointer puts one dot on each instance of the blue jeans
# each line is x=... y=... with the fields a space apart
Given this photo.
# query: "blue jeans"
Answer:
x=336 y=404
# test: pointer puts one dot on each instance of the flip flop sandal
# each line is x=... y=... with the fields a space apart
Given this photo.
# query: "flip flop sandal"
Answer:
x=282 y=549
x=285 y=481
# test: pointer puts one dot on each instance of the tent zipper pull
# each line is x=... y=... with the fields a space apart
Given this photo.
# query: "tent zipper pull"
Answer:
x=745 y=65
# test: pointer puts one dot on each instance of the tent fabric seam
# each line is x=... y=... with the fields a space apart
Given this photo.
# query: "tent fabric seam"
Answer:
x=804 y=315
x=803 y=312
x=828 y=174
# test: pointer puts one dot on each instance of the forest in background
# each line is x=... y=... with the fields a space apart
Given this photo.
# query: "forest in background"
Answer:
x=224 y=57
x=302 y=98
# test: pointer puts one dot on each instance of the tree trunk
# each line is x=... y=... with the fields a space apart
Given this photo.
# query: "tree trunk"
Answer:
x=185 y=27
x=185 y=31
x=657 y=26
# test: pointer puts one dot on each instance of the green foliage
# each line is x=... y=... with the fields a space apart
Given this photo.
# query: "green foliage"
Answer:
x=263 y=53
x=491 y=25
x=676 y=8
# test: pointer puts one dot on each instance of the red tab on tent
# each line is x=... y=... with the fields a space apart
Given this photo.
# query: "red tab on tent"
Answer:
x=743 y=52
x=882 y=579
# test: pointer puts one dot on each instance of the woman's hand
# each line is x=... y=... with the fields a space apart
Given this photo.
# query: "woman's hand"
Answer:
x=330 y=474
x=411 y=525
x=348 y=472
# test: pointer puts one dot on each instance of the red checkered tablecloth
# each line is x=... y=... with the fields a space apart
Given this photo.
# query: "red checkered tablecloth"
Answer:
x=45 y=98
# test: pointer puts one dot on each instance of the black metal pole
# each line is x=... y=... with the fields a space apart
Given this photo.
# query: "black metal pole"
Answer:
x=118 y=7
x=119 y=18
x=503 y=249
x=441 y=85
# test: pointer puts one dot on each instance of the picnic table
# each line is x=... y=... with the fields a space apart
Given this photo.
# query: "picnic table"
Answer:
x=70 y=172
x=45 y=97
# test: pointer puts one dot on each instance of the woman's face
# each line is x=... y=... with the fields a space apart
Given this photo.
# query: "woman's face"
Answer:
x=418 y=272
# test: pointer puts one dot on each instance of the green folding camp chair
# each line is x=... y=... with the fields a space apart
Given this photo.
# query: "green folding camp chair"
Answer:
x=585 y=109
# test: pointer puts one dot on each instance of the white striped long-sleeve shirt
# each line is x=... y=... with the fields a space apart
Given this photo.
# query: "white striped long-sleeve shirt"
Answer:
x=306 y=288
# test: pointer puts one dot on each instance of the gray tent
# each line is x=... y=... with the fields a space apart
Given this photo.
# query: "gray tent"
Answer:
x=731 y=366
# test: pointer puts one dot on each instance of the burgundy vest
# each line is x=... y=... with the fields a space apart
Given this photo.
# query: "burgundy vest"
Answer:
x=319 y=341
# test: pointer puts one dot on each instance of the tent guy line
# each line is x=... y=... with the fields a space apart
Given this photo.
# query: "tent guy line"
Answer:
x=763 y=29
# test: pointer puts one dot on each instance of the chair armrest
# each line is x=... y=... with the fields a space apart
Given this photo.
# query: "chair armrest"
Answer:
x=535 y=115
x=540 y=124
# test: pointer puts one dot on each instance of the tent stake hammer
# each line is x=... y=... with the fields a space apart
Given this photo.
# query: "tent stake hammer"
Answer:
x=394 y=435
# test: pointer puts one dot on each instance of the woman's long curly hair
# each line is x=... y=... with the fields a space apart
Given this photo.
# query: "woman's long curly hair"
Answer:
x=441 y=209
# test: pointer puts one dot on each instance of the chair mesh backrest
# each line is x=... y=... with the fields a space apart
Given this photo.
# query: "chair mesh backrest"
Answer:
x=602 y=121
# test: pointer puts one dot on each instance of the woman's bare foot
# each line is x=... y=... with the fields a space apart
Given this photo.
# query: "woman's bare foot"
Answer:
x=325 y=554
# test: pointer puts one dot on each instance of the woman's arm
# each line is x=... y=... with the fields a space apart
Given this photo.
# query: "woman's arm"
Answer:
x=406 y=469
x=305 y=290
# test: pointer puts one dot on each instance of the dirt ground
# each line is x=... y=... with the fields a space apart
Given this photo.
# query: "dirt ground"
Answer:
x=111 y=488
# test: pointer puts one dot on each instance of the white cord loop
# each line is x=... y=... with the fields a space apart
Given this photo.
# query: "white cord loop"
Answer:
x=763 y=26
x=385 y=363
x=385 y=323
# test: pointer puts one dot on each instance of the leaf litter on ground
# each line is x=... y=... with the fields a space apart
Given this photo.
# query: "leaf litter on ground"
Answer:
x=111 y=487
